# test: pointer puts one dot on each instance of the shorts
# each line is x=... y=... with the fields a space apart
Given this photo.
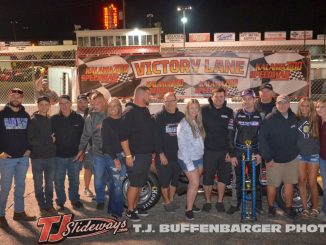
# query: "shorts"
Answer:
x=287 y=173
x=190 y=167
x=214 y=163
x=88 y=162
x=138 y=173
x=310 y=159
x=168 y=174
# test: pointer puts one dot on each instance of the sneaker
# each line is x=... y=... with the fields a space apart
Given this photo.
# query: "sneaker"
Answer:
x=189 y=215
x=23 y=217
x=169 y=208
x=232 y=210
x=290 y=212
x=280 y=212
x=272 y=210
x=195 y=209
x=60 y=207
x=132 y=216
x=100 y=206
x=207 y=207
x=88 y=193
x=141 y=212
x=220 y=207
x=77 y=205
x=3 y=222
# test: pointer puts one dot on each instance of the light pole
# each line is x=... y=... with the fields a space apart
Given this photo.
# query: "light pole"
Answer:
x=150 y=16
x=184 y=21
x=14 y=22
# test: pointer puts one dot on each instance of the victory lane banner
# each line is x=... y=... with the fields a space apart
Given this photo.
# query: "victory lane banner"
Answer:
x=196 y=74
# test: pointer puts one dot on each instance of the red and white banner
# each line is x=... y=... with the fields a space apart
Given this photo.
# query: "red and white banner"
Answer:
x=199 y=37
x=301 y=35
x=250 y=36
x=273 y=36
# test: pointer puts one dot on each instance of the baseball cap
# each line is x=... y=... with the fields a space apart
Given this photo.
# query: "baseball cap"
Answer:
x=43 y=98
x=45 y=81
x=283 y=98
x=267 y=86
x=65 y=96
x=16 y=91
x=248 y=92
x=82 y=97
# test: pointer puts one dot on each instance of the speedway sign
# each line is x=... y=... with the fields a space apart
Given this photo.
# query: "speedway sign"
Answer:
x=273 y=36
x=249 y=36
x=224 y=36
x=196 y=74
x=301 y=35
x=174 y=38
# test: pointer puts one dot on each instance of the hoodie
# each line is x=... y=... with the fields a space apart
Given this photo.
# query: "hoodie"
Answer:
x=278 y=137
x=166 y=133
x=138 y=129
x=39 y=136
x=13 y=131
x=218 y=124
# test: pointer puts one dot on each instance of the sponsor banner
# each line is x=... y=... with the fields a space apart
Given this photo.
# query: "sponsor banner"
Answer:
x=196 y=74
x=224 y=36
x=319 y=37
x=273 y=36
x=174 y=38
x=301 y=35
x=20 y=43
x=250 y=36
x=48 y=43
x=199 y=37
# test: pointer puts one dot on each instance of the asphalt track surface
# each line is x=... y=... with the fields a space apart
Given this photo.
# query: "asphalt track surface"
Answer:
x=28 y=233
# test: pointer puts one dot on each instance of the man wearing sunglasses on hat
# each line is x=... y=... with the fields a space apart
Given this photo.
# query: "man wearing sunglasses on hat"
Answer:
x=14 y=155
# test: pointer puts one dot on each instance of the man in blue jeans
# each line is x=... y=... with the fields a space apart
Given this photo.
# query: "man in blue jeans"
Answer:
x=14 y=155
x=42 y=144
x=67 y=127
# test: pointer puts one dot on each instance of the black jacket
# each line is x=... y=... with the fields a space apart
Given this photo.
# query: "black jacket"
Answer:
x=39 y=136
x=138 y=128
x=111 y=130
x=217 y=124
x=278 y=137
x=166 y=133
x=13 y=131
x=266 y=108
x=67 y=131
x=246 y=127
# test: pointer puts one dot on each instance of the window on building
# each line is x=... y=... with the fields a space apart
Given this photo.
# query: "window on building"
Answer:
x=98 y=41
x=86 y=41
x=155 y=39
x=118 y=41
x=130 y=40
x=136 y=40
x=80 y=42
x=143 y=40
x=111 y=41
x=149 y=40
x=105 y=41
x=93 y=42
x=123 y=40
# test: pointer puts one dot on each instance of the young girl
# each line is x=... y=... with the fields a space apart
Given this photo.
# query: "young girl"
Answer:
x=321 y=111
x=191 y=133
x=308 y=143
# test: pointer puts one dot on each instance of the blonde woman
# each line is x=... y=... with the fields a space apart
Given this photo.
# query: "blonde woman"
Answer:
x=308 y=144
x=191 y=134
x=321 y=111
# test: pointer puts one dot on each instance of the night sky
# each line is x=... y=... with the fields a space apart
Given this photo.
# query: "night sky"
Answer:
x=55 y=19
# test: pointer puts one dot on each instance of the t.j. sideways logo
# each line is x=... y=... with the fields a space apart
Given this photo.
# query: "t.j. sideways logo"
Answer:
x=57 y=228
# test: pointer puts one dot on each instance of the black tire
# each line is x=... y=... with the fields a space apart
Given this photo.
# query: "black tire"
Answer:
x=150 y=193
x=297 y=204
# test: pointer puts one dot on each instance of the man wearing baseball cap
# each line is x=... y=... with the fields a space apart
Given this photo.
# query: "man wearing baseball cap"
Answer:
x=14 y=155
x=278 y=145
x=247 y=122
x=266 y=101
x=47 y=92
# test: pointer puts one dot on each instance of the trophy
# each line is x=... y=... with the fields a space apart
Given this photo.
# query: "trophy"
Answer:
x=248 y=184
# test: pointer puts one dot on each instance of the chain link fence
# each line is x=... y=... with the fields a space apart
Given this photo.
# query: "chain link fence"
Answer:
x=26 y=71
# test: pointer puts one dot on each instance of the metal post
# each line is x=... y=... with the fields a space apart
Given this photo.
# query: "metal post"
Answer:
x=184 y=31
x=124 y=13
x=253 y=190
x=243 y=200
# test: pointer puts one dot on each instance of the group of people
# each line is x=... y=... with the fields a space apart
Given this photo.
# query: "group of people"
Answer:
x=203 y=142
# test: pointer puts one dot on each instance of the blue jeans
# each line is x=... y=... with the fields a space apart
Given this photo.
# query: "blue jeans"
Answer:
x=43 y=168
x=116 y=200
x=100 y=177
x=323 y=175
x=9 y=168
x=63 y=166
